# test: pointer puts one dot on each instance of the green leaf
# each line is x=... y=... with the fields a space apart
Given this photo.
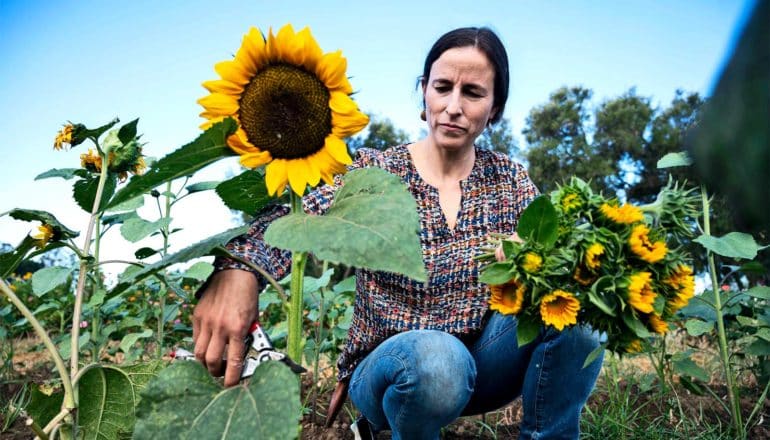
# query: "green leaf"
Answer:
x=117 y=219
x=372 y=223
x=128 y=205
x=127 y=132
x=30 y=215
x=637 y=326
x=496 y=273
x=753 y=267
x=185 y=402
x=169 y=312
x=598 y=297
x=747 y=322
x=145 y=252
x=202 y=186
x=43 y=406
x=539 y=222
x=526 y=330
x=97 y=132
x=687 y=367
x=108 y=399
x=97 y=298
x=131 y=321
x=130 y=339
x=696 y=327
x=674 y=160
x=763 y=333
x=199 y=271
x=346 y=285
x=65 y=344
x=594 y=354
x=135 y=229
x=84 y=191
x=47 y=278
x=759 y=347
x=246 y=192
x=210 y=246
x=733 y=245
x=761 y=292
x=208 y=148
x=9 y=261
x=65 y=173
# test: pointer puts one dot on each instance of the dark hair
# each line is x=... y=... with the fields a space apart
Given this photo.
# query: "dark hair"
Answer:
x=487 y=42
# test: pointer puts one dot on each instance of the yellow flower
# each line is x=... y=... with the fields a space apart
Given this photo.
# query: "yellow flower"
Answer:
x=292 y=105
x=507 y=298
x=626 y=214
x=583 y=276
x=559 y=309
x=634 y=346
x=27 y=276
x=592 y=256
x=532 y=262
x=44 y=235
x=63 y=137
x=683 y=281
x=642 y=246
x=657 y=325
x=640 y=293
x=91 y=161
x=570 y=202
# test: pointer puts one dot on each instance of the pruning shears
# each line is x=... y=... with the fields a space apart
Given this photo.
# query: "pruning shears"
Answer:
x=259 y=349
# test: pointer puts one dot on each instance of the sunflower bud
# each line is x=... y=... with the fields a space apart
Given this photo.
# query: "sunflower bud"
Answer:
x=70 y=134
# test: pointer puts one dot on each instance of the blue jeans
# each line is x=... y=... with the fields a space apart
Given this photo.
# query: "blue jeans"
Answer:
x=416 y=382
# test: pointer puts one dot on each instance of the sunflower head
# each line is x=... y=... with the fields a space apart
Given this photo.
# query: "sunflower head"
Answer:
x=624 y=215
x=682 y=281
x=559 y=309
x=70 y=134
x=45 y=234
x=507 y=298
x=656 y=324
x=583 y=276
x=640 y=293
x=592 y=256
x=635 y=346
x=643 y=247
x=532 y=262
x=292 y=105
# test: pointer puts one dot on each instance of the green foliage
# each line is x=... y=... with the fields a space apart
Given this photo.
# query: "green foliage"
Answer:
x=185 y=402
x=539 y=222
x=246 y=192
x=84 y=191
x=64 y=173
x=372 y=223
x=381 y=135
x=499 y=138
x=44 y=217
x=732 y=245
x=46 y=279
x=135 y=229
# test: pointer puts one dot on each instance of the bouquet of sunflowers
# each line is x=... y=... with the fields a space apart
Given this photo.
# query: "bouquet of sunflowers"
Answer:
x=587 y=259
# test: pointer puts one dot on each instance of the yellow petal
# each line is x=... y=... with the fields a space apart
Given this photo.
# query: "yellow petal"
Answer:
x=298 y=172
x=224 y=87
x=331 y=71
x=327 y=165
x=313 y=171
x=233 y=72
x=346 y=118
x=275 y=177
x=249 y=55
x=239 y=142
x=313 y=52
x=219 y=104
x=254 y=160
x=337 y=149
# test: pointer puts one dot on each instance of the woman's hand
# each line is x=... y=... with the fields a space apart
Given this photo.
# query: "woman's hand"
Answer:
x=222 y=318
x=499 y=254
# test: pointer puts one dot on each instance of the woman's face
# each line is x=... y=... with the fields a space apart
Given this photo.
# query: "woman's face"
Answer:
x=459 y=95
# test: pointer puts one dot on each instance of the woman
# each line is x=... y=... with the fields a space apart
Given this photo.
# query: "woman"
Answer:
x=420 y=355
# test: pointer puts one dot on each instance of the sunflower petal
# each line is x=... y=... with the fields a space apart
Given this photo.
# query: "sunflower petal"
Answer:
x=331 y=71
x=233 y=72
x=239 y=142
x=327 y=165
x=220 y=104
x=337 y=149
x=211 y=121
x=313 y=52
x=313 y=171
x=275 y=177
x=346 y=118
x=224 y=87
x=297 y=170
x=251 y=53
x=256 y=159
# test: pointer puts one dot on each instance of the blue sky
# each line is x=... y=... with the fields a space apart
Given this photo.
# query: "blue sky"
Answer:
x=89 y=61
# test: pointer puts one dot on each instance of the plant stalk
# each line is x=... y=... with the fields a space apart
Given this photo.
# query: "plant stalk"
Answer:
x=296 y=287
x=735 y=408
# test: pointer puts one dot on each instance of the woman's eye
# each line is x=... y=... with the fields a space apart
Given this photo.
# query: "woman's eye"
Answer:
x=442 y=89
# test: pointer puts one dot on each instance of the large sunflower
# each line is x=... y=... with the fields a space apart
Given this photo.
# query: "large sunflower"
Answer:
x=507 y=298
x=559 y=309
x=292 y=105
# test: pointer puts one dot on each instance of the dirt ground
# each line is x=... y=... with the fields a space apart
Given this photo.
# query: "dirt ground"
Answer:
x=31 y=365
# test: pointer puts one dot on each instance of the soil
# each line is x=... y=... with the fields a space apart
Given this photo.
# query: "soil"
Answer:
x=32 y=365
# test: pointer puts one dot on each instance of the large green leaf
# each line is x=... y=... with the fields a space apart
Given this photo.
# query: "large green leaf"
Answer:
x=135 y=229
x=127 y=132
x=10 y=260
x=761 y=292
x=199 y=271
x=185 y=402
x=371 y=224
x=671 y=160
x=696 y=327
x=44 y=404
x=108 y=398
x=29 y=215
x=130 y=339
x=687 y=367
x=209 y=246
x=527 y=330
x=84 y=191
x=202 y=186
x=64 y=173
x=47 y=278
x=733 y=245
x=539 y=222
x=128 y=205
x=246 y=192
x=496 y=273
x=208 y=148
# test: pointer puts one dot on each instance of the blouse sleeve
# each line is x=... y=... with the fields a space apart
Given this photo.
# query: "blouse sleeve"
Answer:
x=277 y=262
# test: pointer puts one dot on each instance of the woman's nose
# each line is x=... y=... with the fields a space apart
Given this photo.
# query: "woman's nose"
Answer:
x=454 y=104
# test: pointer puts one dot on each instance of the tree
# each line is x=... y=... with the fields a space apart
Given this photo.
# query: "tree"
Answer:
x=499 y=137
x=381 y=134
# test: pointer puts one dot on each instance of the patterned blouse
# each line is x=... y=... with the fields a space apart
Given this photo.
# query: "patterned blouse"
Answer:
x=453 y=300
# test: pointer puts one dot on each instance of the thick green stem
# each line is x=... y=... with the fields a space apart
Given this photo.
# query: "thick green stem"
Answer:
x=96 y=318
x=298 y=260
x=735 y=408
x=163 y=290
x=69 y=395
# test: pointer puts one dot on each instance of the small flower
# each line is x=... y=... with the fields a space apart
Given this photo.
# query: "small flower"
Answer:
x=507 y=298
x=640 y=293
x=725 y=288
x=644 y=248
x=626 y=214
x=559 y=309
x=27 y=276
x=532 y=262
x=83 y=324
x=634 y=346
x=46 y=233
x=657 y=325
x=64 y=136
x=583 y=276
x=91 y=161
x=683 y=281
x=177 y=321
x=131 y=298
x=571 y=202
x=592 y=256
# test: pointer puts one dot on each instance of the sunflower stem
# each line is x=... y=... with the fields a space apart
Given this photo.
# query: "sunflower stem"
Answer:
x=298 y=260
